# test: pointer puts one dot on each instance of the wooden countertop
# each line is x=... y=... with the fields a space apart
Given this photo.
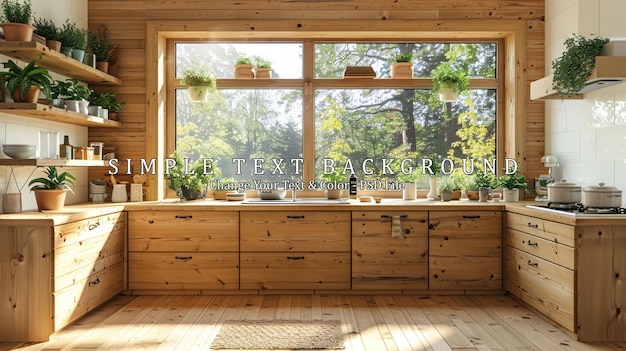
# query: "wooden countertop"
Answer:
x=70 y=213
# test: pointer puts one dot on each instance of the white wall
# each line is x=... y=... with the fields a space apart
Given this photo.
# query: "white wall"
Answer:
x=588 y=136
x=21 y=130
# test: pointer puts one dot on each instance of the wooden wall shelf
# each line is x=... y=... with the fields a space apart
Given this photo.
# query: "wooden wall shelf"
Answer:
x=55 y=61
x=55 y=114
x=609 y=70
x=44 y=162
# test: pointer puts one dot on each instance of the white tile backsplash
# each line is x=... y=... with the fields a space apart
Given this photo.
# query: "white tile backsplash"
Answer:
x=612 y=24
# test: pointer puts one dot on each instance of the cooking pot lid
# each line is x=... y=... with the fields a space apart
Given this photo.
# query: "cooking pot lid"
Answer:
x=601 y=188
x=563 y=184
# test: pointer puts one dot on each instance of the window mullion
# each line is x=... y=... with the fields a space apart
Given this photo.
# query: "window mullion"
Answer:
x=308 y=111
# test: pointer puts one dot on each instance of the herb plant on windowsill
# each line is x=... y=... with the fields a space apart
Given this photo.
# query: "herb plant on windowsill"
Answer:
x=402 y=67
x=190 y=185
x=244 y=68
x=510 y=184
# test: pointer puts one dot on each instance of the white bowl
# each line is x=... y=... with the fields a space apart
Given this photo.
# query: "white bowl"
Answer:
x=19 y=151
x=277 y=194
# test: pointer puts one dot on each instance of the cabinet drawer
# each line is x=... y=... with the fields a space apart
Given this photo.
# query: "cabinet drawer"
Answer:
x=382 y=262
x=75 y=232
x=548 y=250
x=183 y=231
x=295 y=231
x=76 y=262
x=183 y=270
x=473 y=233
x=295 y=270
x=546 y=286
x=465 y=272
x=77 y=299
x=552 y=231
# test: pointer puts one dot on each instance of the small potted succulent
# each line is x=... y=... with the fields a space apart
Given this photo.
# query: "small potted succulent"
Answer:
x=24 y=84
x=244 y=69
x=50 y=192
x=449 y=81
x=49 y=30
x=263 y=69
x=402 y=67
x=17 y=16
x=199 y=82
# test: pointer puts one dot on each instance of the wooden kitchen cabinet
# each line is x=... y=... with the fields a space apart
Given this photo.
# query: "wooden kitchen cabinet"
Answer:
x=465 y=250
x=183 y=250
x=295 y=250
x=380 y=261
x=53 y=275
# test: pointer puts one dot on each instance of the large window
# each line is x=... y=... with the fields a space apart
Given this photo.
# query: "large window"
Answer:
x=308 y=112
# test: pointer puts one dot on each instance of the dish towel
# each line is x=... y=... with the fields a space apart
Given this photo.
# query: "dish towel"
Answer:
x=396 y=228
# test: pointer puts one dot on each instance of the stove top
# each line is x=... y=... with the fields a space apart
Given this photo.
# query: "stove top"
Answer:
x=577 y=209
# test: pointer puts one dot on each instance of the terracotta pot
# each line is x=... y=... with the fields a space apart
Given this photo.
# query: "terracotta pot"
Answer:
x=244 y=72
x=402 y=70
x=53 y=45
x=263 y=73
x=333 y=194
x=17 y=31
x=102 y=66
x=53 y=199
x=221 y=194
x=31 y=97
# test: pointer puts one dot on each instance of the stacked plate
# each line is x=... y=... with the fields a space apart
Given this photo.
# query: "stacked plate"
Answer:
x=19 y=151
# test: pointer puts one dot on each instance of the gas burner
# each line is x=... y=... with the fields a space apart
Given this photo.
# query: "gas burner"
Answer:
x=564 y=206
x=602 y=210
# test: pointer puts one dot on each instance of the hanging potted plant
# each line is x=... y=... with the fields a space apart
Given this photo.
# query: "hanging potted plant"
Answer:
x=449 y=81
x=47 y=29
x=190 y=184
x=17 y=17
x=199 y=82
x=244 y=68
x=402 y=67
x=24 y=84
x=572 y=69
x=50 y=192
x=510 y=184
x=263 y=69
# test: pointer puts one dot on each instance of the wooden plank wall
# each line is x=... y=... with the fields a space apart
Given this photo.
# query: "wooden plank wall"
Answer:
x=127 y=21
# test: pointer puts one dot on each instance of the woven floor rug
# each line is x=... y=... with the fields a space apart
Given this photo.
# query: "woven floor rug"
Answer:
x=279 y=335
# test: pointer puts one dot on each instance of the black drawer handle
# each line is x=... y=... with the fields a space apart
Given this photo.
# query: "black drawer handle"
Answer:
x=183 y=258
x=295 y=217
x=93 y=226
x=295 y=258
x=469 y=216
x=184 y=217
x=530 y=225
x=534 y=264
x=532 y=244
x=386 y=216
x=97 y=281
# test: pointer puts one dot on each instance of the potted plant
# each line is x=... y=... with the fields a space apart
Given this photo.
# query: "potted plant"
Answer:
x=73 y=41
x=480 y=180
x=263 y=69
x=199 y=82
x=77 y=98
x=333 y=179
x=574 y=66
x=49 y=30
x=435 y=167
x=510 y=184
x=449 y=81
x=446 y=186
x=60 y=91
x=191 y=184
x=244 y=68
x=101 y=47
x=24 y=84
x=108 y=102
x=402 y=67
x=50 y=192
x=17 y=16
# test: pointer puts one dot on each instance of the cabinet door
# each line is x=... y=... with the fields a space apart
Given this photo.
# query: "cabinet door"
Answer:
x=309 y=270
x=293 y=231
x=465 y=250
x=380 y=261
x=165 y=231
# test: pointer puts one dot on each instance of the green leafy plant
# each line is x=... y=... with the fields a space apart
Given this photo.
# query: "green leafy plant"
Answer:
x=195 y=179
x=335 y=176
x=100 y=46
x=17 y=11
x=198 y=76
x=572 y=69
x=512 y=181
x=106 y=100
x=435 y=165
x=53 y=180
x=71 y=36
x=482 y=180
x=447 y=183
x=76 y=91
x=60 y=89
x=263 y=63
x=445 y=76
x=46 y=28
x=31 y=75
x=243 y=60
x=406 y=57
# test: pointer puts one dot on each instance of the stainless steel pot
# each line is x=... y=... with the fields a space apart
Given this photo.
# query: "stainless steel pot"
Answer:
x=564 y=192
x=602 y=196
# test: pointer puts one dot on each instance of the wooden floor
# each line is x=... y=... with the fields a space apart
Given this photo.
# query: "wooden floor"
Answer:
x=369 y=322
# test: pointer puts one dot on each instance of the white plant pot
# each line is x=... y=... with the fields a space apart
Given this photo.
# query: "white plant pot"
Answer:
x=95 y=110
x=447 y=95
x=198 y=93
x=433 y=193
x=510 y=195
x=83 y=106
x=409 y=192
x=72 y=105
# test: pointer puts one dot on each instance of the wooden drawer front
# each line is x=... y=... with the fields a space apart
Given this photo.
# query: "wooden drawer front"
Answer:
x=382 y=262
x=295 y=231
x=548 y=250
x=552 y=231
x=185 y=231
x=295 y=270
x=74 y=301
x=546 y=286
x=76 y=232
x=183 y=270
x=82 y=257
x=465 y=272
x=473 y=233
x=81 y=264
